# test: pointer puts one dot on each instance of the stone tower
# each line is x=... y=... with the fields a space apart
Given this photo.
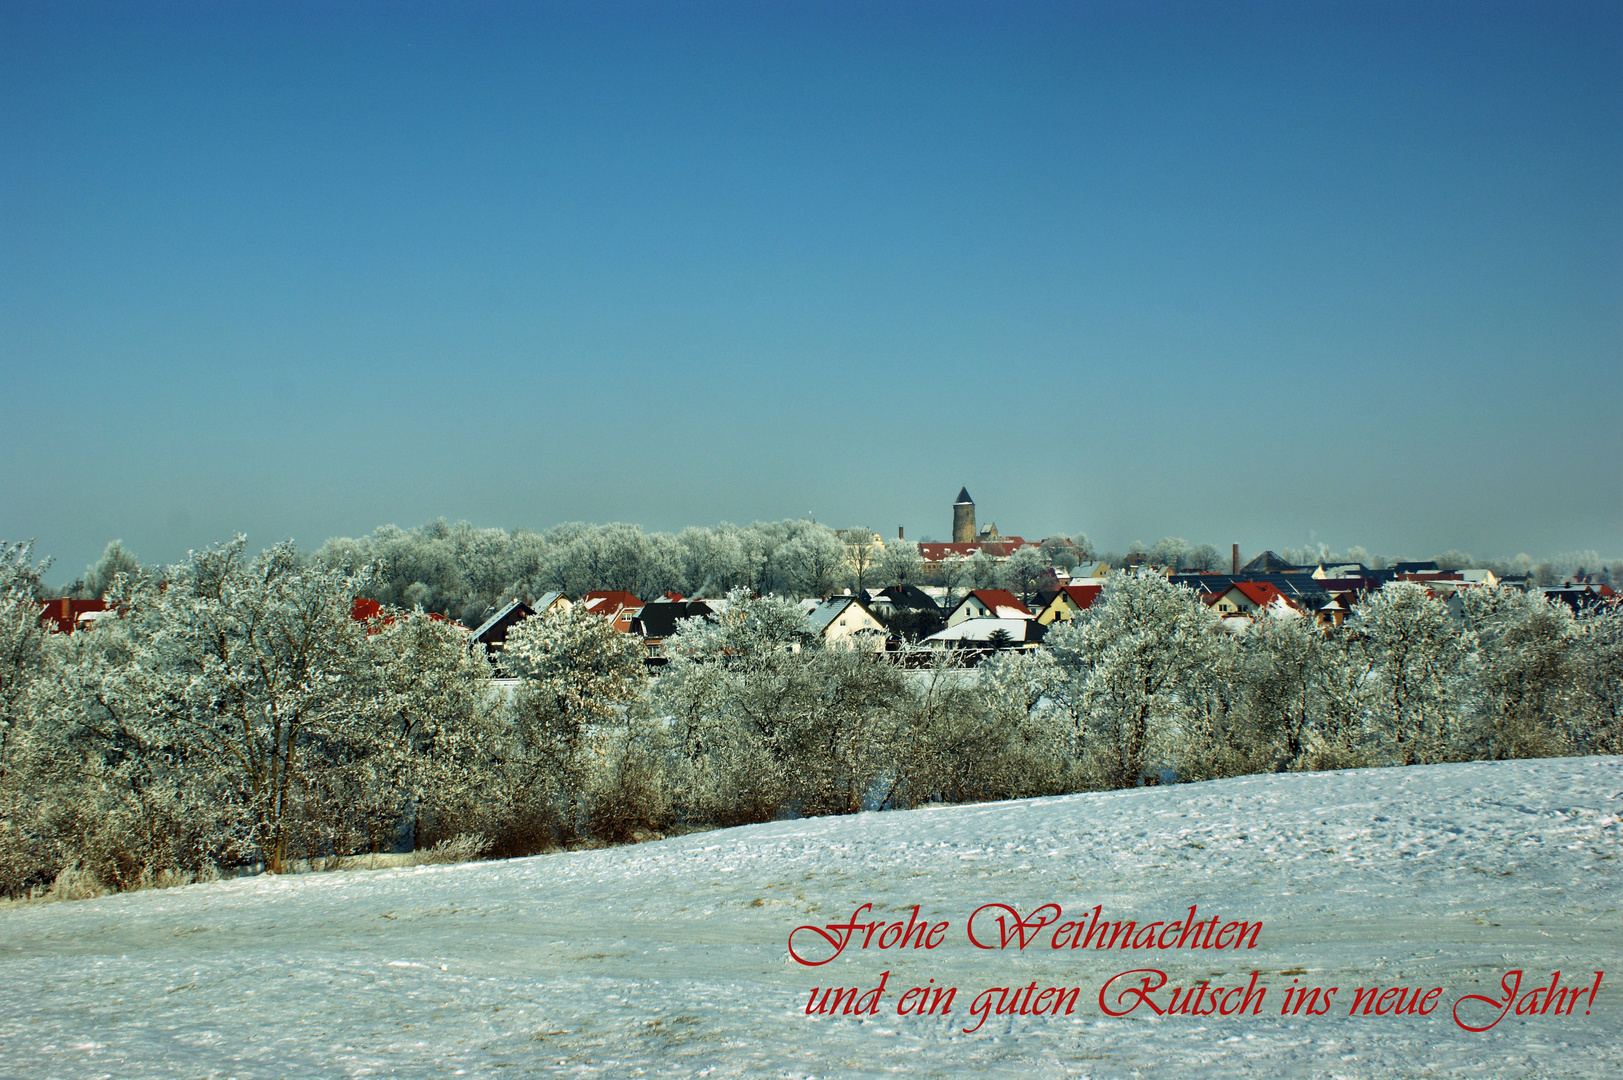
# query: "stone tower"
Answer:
x=963 y=518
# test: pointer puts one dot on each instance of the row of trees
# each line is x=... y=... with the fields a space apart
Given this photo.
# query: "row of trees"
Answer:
x=230 y=712
x=465 y=572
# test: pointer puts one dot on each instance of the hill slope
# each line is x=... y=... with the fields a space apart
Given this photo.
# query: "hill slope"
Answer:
x=669 y=958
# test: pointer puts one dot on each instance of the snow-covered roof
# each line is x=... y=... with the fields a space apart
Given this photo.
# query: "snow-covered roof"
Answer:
x=609 y=601
x=1002 y=603
x=825 y=613
x=507 y=614
x=982 y=630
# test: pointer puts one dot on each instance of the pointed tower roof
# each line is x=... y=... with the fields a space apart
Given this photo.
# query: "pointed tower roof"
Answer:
x=963 y=495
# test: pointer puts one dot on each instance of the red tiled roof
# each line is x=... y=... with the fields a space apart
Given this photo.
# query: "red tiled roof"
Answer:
x=607 y=601
x=1259 y=593
x=365 y=609
x=998 y=598
x=1083 y=596
x=934 y=552
x=65 y=613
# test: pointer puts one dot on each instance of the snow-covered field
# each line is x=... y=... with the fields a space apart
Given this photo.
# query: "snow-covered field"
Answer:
x=669 y=958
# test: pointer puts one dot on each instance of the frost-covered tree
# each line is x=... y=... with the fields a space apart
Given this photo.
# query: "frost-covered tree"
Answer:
x=1168 y=551
x=1526 y=685
x=769 y=723
x=1023 y=571
x=579 y=679
x=26 y=664
x=811 y=564
x=862 y=554
x=990 y=732
x=1203 y=557
x=253 y=670
x=1059 y=553
x=1132 y=659
x=900 y=563
x=1418 y=669
x=1303 y=692
x=980 y=569
x=715 y=561
x=429 y=757
x=99 y=578
x=1596 y=727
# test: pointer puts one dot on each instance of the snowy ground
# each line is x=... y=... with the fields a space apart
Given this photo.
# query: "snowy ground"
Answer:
x=669 y=958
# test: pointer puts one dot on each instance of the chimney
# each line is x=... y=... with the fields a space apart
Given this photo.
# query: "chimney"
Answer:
x=1236 y=561
x=899 y=532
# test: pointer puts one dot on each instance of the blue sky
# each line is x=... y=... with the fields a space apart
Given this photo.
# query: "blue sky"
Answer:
x=1235 y=272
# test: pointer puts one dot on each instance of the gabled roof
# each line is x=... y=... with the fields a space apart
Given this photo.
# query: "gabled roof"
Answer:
x=658 y=618
x=1002 y=603
x=494 y=629
x=1259 y=593
x=1083 y=596
x=1427 y=567
x=825 y=613
x=981 y=630
x=902 y=598
x=1268 y=563
x=609 y=601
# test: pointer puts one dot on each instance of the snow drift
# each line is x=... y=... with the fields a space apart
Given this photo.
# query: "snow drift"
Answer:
x=670 y=958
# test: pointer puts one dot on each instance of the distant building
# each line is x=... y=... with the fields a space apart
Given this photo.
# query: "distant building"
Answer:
x=846 y=621
x=1065 y=604
x=66 y=616
x=963 y=518
x=988 y=604
x=491 y=634
x=616 y=605
x=658 y=620
x=987 y=634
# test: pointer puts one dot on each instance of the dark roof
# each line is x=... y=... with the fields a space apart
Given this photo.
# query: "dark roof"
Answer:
x=1270 y=563
x=1429 y=567
x=902 y=598
x=493 y=631
x=1293 y=585
x=1579 y=597
x=963 y=496
x=658 y=618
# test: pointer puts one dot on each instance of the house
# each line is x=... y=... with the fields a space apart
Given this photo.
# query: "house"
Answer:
x=1064 y=604
x=846 y=622
x=658 y=620
x=66 y=616
x=1427 y=567
x=552 y=601
x=1270 y=563
x=616 y=605
x=988 y=604
x=938 y=555
x=1338 y=571
x=983 y=633
x=1250 y=598
x=897 y=599
x=366 y=610
x=492 y=633
x=1582 y=597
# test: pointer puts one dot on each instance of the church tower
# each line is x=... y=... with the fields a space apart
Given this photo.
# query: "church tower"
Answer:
x=963 y=518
